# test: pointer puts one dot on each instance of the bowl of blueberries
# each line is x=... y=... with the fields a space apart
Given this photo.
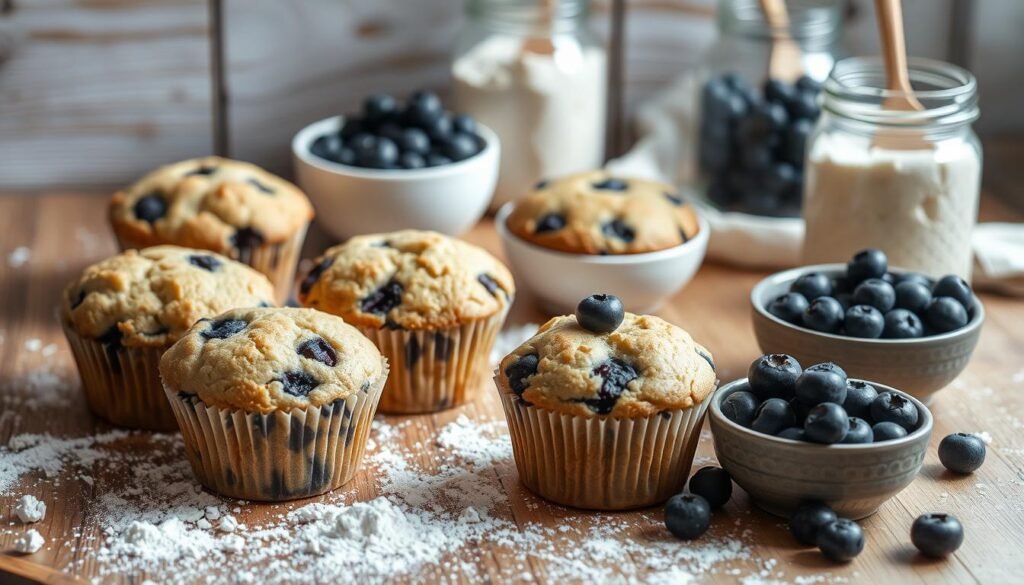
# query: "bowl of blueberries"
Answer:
x=787 y=435
x=396 y=166
x=898 y=327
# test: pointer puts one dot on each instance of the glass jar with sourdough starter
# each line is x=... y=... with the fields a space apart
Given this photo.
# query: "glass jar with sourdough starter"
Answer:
x=907 y=182
x=531 y=71
x=752 y=130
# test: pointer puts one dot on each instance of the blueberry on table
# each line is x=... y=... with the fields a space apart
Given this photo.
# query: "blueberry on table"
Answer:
x=859 y=431
x=894 y=408
x=687 y=516
x=808 y=520
x=773 y=416
x=826 y=423
x=870 y=263
x=414 y=140
x=460 y=146
x=150 y=208
x=821 y=383
x=945 y=314
x=793 y=434
x=876 y=293
x=519 y=371
x=463 y=123
x=773 y=375
x=824 y=314
x=789 y=307
x=864 y=321
x=713 y=484
x=812 y=285
x=859 y=396
x=902 y=324
x=912 y=295
x=962 y=453
x=840 y=540
x=887 y=431
x=601 y=313
x=739 y=407
x=937 y=535
x=955 y=287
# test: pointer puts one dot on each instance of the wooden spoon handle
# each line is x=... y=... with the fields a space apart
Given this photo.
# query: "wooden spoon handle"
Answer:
x=778 y=18
x=894 y=50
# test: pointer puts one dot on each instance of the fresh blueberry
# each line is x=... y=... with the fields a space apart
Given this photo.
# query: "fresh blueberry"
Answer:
x=611 y=184
x=618 y=228
x=519 y=371
x=549 y=223
x=789 y=307
x=902 y=324
x=739 y=407
x=713 y=484
x=859 y=431
x=826 y=423
x=346 y=156
x=327 y=146
x=773 y=376
x=414 y=140
x=876 y=293
x=223 y=329
x=298 y=383
x=845 y=301
x=353 y=126
x=887 y=431
x=314 y=275
x=812 y=285
x=204 y=261
x=945 y=314
x=867 y=264
x=824 y=314
x=864 y=321
x=423 y=108
x=955 y=287
x=379 y=107
x=841 y=285
x=795 y=143
x=800 y=409
x=859 y=396
x=756 y=157
x=600 y=313
x=382 y=153
x=439 y=129
x=913 y=277
x=840 y=540
x=912 y=296
x=893 y=407
x=687 y=516
x=411 y=160
x=821 y=383
x=463 y=123
x=382 y=300
x=793 y=434
x=777 y=90
x=392 y=131
x=150 y=208
x=436 y=159
x=808 y=84
x=804 y=106
x=318 y=349
x=962 y=453
x=617 y=374
x=937 y=535
x=773 y=416
x=460 y=147
x=808 y=519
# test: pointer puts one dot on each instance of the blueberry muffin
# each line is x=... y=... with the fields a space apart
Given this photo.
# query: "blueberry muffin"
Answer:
x=596 y=213
x=605 y=407
x=431 y=303
x=226 y=206
x=273 y=404
x=121 y=314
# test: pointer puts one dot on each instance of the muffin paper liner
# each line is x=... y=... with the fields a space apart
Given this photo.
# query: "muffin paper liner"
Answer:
x=277 y=261
x=433 y=370
x=122 y=384
x=603 y=463
x=276 y=456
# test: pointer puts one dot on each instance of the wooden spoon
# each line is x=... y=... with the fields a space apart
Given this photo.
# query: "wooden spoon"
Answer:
x=785 y=61
x=540 y=42
x=897 y=78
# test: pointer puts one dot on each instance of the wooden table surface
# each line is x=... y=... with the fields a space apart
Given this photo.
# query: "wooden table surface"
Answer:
x=65 y=232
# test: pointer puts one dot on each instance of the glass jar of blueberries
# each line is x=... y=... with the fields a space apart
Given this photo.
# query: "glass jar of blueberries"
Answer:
x=753 y=129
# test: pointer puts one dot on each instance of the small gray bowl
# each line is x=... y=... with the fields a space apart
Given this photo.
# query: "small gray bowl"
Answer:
x=921 y=366
x=780 y=473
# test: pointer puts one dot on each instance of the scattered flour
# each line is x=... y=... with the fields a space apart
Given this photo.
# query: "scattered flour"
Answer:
x=29 y=509
x=29 y=542
x=19 y=257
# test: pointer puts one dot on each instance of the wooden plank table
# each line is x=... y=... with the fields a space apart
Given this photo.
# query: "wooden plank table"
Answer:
x=65 y=232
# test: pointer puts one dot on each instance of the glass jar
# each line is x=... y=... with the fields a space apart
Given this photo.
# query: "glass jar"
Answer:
x=906 y=182
x=533 y=72
x=752 y=130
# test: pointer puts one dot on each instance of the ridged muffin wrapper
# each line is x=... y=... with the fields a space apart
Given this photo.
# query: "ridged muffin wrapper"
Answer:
x=283 y=455
x=122 y=384
x=277 y=261
x=602 y=462
x=433 y=370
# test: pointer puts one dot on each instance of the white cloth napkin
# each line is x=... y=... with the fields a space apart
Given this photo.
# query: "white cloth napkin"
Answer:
x=664 y=152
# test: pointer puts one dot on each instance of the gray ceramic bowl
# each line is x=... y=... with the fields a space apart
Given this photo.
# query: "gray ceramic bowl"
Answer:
x=920 y=366
x=779 y=473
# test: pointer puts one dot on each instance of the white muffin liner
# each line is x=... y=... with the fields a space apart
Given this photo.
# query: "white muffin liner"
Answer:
x=433 y=370
x=122 y=384
x=277 y=456
x=603 y=463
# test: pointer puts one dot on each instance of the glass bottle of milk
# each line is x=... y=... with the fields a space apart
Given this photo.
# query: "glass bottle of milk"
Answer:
x=904 y=181
x=532 y=71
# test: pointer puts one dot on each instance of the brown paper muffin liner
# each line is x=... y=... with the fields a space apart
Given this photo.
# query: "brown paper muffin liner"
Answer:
x=122 y=384
x=277 y=456
x=277 y=261
x=433 y=370
x=603 y=463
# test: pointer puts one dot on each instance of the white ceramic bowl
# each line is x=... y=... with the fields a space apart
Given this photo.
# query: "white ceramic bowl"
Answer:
x=350 y=200
x=642 y=281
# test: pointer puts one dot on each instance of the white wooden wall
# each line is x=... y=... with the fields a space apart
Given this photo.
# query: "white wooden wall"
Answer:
x=95 y=92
